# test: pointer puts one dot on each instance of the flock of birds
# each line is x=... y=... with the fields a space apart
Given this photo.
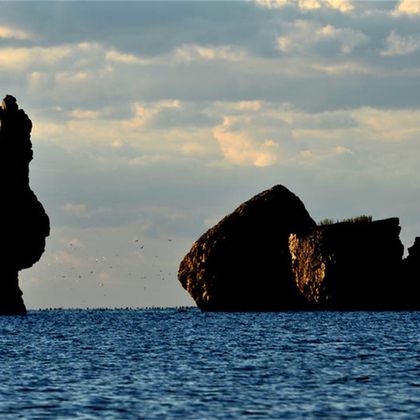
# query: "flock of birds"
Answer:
x=153 y=269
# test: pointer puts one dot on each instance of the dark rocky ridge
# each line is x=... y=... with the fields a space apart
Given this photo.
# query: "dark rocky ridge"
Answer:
x=270 y=255
x=25 y=223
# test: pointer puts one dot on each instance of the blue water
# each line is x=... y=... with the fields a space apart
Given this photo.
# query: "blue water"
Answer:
x=169 y=363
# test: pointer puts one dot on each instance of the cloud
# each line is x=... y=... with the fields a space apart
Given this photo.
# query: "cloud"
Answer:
x=343 y=6
x=144 y=29
x=407 y=7
x=249 y=106
x=400 y=45
x=145 y=114
x=197 y=52
x=272 y=4
x=124 y=58
x=20 y=59
x=275 y=56
x=194 y=149
x=325 y=121
x=343 y=69
x=303 y=36
x=389 y=125
x=39 y=81
x=7 y=32
x=84 y=114
x=343 y=150
x=240 y=149
x=309 y=4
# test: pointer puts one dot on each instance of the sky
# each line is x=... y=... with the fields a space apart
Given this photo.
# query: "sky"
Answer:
x=153 y=120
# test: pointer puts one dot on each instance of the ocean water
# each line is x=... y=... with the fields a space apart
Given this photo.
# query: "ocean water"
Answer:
x=182 y=363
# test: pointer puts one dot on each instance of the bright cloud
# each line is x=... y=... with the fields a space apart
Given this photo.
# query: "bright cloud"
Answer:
x=309 y=4
x=7 y=32
x=238 y=148
x=343 y=6
x=145 y=114
x=272 y=4
x=408 y=7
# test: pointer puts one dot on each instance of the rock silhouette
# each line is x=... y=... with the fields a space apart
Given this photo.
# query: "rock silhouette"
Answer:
x=25 y=223
x=270 y=255
x=243 y=263
x=349 y=265
x=412 y=276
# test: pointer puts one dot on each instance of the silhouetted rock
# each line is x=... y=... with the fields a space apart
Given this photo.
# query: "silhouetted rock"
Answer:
x=270 y=255
x=350 y=266
x=412 y=276
x=243 y=263
x=25 y=225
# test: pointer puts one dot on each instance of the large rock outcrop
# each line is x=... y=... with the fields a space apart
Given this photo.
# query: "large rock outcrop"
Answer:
x=270 y=255
x=25 y=223
x=243 y=263
x=350 y=265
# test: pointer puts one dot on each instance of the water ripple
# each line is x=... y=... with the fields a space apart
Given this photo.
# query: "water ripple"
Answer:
x=173 y=363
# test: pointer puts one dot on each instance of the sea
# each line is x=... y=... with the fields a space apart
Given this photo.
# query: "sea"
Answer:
x=181 y=363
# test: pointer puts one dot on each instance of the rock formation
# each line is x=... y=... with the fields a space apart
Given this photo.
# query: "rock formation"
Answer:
x=25 y=223
x=412 y=276
x=349 y=265
x=270 y=255
x=243 y=263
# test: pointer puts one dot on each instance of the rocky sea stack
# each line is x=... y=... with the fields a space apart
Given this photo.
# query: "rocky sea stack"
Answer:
x=25 y=223
x=270 y=255
x=243 y=263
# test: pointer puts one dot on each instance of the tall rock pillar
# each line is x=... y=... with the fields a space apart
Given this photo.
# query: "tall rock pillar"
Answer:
x=25 y=225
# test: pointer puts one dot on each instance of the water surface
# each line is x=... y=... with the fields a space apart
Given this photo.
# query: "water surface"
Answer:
x=182 y=363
